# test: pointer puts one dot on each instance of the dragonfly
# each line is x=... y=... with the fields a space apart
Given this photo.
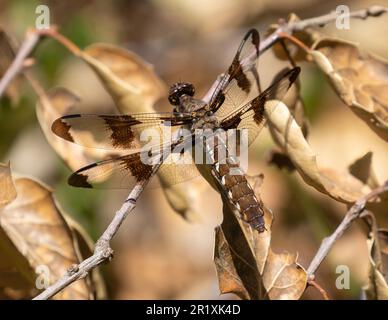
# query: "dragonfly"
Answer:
x=237 y=103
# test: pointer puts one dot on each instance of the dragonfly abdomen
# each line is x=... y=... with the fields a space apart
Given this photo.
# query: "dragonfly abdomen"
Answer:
x=240 y=193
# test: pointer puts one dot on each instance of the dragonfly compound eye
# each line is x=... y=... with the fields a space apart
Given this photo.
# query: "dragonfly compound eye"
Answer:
x=179 y=89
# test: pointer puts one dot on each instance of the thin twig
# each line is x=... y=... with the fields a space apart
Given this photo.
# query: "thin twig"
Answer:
x=285 y=30
x=322 y=291
x=29 y=43
x=353 y=213
x=17 y=65
x=373 y=11
x=102 y=250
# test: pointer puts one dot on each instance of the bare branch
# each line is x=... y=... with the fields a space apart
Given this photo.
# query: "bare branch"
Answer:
x=373 y=11
x=29 y=43
x=102 y=250
x=353 y=213
x=17 y=65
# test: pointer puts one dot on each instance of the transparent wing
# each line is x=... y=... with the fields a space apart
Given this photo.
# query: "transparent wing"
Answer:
x=251 y=115
x=240 y=82
x=116 y=132
x=125 y=171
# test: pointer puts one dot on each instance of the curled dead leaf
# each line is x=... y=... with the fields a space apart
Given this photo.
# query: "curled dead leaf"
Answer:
x=294 y=102
x=130 y=80
x=35 y=237
x=359 y=78
x=7 y=187
x=341 y=186
x=377 y=287
x=247 y=266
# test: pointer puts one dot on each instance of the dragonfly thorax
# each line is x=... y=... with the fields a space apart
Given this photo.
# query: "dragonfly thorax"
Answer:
x=206 y=122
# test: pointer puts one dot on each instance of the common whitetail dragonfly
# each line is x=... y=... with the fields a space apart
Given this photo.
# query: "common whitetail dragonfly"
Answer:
x=233 y=105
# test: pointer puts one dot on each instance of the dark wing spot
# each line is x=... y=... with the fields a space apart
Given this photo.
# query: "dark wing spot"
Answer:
x=256 y=40
x=70 y=116
x=122 y=134
x=79 y=180
x=137 y=168
x=294 y=73
x=61 y=129
x=258 y=108
x=232 y=122
x=236 y=71
x=218 y=101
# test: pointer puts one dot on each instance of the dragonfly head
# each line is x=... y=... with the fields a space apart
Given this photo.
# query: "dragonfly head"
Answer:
x=179 y=89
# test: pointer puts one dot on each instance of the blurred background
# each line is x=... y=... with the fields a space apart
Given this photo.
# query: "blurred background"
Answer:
x=158 y=254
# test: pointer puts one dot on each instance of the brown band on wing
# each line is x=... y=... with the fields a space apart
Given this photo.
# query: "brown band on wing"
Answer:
x=137 y=168
x=218 y=101
x=232 y=122
x=236 y=71
x=256 y=40
x=122 y=135
x=258 y=108
x=61 y=129
x=293 y=75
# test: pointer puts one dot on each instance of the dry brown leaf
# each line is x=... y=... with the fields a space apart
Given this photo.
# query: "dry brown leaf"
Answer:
x=84 y=245
x=283 y=277
x=377 y=287
x=35 y=233
x=15 y=271
x=51 y=106
x=130 y=80
x=229 y=265
x=135 y=87
x=341 y=186
x=247 y=266
x=295 y=104
x=7 y=187
x=359 y=78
